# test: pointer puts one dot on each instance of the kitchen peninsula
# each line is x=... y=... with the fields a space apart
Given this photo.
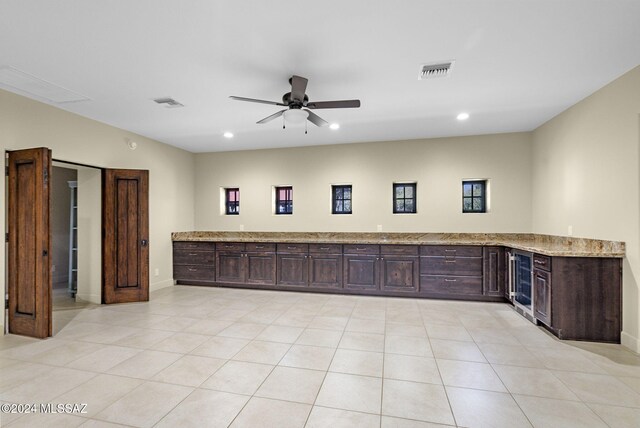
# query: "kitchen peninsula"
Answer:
x=574 y=288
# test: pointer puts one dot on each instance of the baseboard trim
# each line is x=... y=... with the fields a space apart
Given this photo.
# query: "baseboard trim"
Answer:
x=630 y=342
x=160 y=284
x=91 y=298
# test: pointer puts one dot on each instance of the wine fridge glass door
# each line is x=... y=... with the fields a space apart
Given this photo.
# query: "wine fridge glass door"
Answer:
x=523 y=280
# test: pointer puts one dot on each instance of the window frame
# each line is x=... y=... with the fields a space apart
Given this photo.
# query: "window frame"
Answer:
x=278 y=200
x=482 y=197
x=414 y=185
x=228 y=203
x=334 y=199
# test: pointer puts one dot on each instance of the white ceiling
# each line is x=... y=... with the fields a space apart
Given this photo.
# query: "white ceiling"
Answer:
x=518 y=63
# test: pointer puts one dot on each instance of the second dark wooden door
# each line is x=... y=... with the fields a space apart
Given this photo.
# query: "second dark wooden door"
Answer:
x=125 y=239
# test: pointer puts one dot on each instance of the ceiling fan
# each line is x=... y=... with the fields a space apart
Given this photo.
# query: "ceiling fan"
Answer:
x=298 y=105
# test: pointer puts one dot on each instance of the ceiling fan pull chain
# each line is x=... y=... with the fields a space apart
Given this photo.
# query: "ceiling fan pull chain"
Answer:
x=283 y=124
x=305 y=127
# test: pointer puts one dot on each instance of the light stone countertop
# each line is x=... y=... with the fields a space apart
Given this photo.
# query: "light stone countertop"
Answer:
x=542 y=244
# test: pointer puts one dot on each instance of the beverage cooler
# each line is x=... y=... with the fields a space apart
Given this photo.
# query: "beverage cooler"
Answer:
x=521 y=282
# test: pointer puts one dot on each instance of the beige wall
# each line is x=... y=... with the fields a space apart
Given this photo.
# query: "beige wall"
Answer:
x=26 y=123
x=585 y=175
x=438 y=165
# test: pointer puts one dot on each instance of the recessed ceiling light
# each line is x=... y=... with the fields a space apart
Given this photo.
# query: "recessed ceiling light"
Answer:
x=463 y=116
x=334 y=126
x=228 y=134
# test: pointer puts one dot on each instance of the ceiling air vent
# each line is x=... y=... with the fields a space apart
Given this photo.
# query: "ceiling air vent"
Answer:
x=432 y=71
x=168 y=102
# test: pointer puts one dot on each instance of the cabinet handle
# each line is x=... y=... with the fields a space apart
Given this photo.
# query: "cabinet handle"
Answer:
x=360 y=249
x=259 y=246
x=306 y=257
x=324 y=248
x=450 y=280
x=381 y=258
x=450 y=251
x=449 y=261
x=539 y=262
x=291 y=247
x=193 y=254
x=193 y=270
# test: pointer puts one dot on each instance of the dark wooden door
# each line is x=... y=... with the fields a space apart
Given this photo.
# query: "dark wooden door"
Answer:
x=260 y=268
x=29 y=264
x=361 y=272
x=493 y=271
x=400 y=273
x=125 y=237
x=325 y=270
x=293 y=269
x=542 y=296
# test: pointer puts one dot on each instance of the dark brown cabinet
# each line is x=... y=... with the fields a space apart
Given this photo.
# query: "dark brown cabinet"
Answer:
x=542 y=296
x=293 y=265
x=386 y=268
x=493 y=274
x=586 y=297
x=451 y=271
x=194 y=262
x=246 y=263
x=325 y=266
x=400 y=268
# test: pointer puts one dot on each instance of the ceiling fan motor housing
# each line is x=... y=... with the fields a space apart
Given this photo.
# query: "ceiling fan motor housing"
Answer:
x=286 y=99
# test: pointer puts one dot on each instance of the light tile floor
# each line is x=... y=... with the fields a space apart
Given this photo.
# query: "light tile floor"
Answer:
x=214 y=357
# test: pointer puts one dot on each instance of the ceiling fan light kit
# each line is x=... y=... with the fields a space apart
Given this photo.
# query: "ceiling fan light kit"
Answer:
x=298 y=105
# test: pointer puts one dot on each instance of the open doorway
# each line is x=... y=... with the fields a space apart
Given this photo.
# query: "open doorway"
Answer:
x=76 y=210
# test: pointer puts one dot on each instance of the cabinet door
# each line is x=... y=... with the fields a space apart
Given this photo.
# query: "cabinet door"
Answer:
x=361 y=272
x=260 y=268
x=493 y=272
x=325 y=270
x=400 y=273
x=293 y=269
x=542 y=297
x=229 y=266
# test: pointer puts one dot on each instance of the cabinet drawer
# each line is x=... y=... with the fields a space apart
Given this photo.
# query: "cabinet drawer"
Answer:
x=409 y=250
x=183 y=256
x=193 y=245
x=230 y=246
x=362 y=249
x=325 y=248
x=462 y=285
x=451 y=250
x=195 y=273
x=458 y=266
x=542 y=262
x=261 y=247
x=293 y=248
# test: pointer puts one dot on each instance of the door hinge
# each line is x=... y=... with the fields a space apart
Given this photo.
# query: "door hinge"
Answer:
x=46 y=175
x=6 y=237
x=6 y=170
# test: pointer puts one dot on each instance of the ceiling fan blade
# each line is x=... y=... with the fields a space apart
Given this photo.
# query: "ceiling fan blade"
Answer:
x=334 y=104
x=298 y=88
x=253 y=100
x=315 y=119
x=273 y=116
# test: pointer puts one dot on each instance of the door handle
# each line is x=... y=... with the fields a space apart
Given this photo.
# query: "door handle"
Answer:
x=144 y=242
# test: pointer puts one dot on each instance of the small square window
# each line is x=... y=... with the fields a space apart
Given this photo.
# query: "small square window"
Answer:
x=341 y=199
x=474 y=196
x=284 y=200
x=404 y=198
x=232 y=201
